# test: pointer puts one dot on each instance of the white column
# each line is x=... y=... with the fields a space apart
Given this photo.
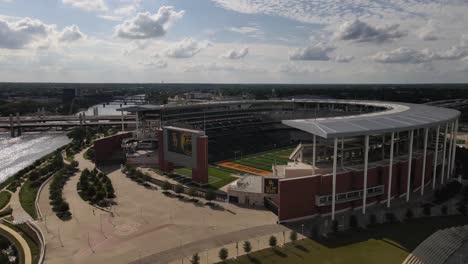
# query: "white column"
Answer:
x=335 y=153
x=444 y=154
x=436 y=153
x=383 y=146
x=314 y=153
x=366 y=165
x=123 y=125
x=426 y=134
x=410 y=160
x=390 y=170
x=454 y=150
x=342 y=152
x=449 y=163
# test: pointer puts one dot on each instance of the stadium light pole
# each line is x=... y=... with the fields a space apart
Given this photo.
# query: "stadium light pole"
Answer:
x=314 y=153
x=450 y=150
x=454 y=150
x=444 y=154
x=390 y=170
x=410 y=160
x=335 y=150
x=426 y=134
x=436 y=153
x=366 y=165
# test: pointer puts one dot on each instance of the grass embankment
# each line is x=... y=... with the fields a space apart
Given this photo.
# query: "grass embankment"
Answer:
x=34 y=180
x=217 y=178
x=4 y=199
x=385 y=244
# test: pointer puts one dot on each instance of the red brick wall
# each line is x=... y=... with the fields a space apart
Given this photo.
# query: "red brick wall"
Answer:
x=297 y=197
x=105 y=148
x=200 y=174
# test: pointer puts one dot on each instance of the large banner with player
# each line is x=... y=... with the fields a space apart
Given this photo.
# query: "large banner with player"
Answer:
x=180 y=145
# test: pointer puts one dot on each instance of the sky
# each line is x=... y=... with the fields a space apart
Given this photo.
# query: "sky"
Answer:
x=234 y=41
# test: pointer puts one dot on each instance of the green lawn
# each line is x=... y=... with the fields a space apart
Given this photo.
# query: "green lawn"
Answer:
x=383 y=244
x=217 y=178
x=27 y=197
x=4 y=198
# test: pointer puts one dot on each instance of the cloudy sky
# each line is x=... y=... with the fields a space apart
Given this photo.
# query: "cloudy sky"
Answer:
x=234 y=41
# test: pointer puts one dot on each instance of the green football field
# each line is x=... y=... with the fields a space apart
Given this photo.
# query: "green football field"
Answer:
x=264 y=160
x=217 y=178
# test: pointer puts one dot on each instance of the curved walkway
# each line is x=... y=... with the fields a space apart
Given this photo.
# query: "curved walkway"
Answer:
x=19 y=214
x=23 y=243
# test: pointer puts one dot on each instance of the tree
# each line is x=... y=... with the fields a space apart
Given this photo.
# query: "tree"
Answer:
x=179 y=188
x=195 y=259
x=272 y=241
x=247 y=247
x=64 y=207
x=210 y=195
x=223 y=254
x=166 y=185
x=444 y=210
x=293 y=236
x=372 y=219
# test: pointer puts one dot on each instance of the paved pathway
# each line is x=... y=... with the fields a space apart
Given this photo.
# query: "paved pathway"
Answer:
x=23 y=243
x=214 y=242
x=19 y=215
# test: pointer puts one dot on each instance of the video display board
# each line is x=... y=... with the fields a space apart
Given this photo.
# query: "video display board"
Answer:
x=180 y=145
x=179 y=142
x=270 y=186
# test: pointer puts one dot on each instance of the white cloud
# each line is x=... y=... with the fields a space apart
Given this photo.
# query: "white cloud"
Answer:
x=146 y=25
x=226 y=67
x=159 y=64
x=403 y=55
x=186 y=48
x=244 y=30
x=318 y=52
x=360 y=31
x=19 y=34
x=88 y=5
x=111 y=17
x=428 y=32
x=236 y=54
x=343 y=58
x=300 y=69
x=71 y=33
x=453 y=53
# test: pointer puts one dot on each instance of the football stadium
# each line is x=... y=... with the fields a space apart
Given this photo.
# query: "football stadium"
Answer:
x=301 y=157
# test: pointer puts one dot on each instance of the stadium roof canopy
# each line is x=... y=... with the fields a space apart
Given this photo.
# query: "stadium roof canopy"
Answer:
x=397 y=117
x=391 y=116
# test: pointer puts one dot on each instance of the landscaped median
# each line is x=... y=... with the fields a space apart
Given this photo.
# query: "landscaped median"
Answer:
x=96 y=188
x=5 y=197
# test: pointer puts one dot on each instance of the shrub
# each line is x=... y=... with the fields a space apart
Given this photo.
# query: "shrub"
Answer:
x=166 y=185
x=191 y=192
x=210 y=195
x=372 y=219
x=353 y=222
x=195 y=259
x=293 y=236
x=272 y=241
x=390 y=217
x=409 y=214
x=223 y=254
x=462 y=209
x=427 y=210
x=247 y=247
x=444 y=210
x=335 y=226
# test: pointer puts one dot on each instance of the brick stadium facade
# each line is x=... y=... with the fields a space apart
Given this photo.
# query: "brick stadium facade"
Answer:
x=416 y=142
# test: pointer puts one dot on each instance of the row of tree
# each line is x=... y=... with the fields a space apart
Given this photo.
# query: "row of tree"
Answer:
x=95 y=187
x=59 y=205
x=223 y=253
